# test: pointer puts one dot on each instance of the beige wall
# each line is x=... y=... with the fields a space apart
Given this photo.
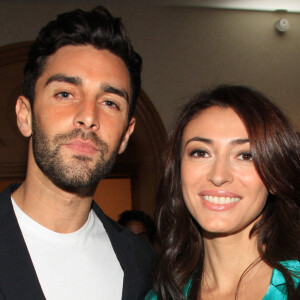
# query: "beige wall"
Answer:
x=188 y=49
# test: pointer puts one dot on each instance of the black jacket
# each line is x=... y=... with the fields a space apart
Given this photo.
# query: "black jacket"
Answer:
x=18 y=279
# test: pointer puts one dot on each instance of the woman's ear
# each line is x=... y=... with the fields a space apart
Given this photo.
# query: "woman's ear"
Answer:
x=24 y=116
x=127 y=135
x=272 y=191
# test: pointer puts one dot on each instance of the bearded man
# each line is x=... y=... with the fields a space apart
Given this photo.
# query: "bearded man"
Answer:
x=81 y=82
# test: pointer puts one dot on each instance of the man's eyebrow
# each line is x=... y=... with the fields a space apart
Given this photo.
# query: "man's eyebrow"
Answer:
x=64 y=78
x=209 y=141
x=113 y=90
x=107 y=88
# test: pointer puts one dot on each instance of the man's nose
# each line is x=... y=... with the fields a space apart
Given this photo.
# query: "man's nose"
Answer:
x=87 y=115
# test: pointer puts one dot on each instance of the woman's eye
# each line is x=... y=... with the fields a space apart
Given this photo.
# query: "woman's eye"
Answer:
x=245 y=156
x=199 y=153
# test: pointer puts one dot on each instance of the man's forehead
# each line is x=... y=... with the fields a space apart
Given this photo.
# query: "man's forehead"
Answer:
x=67 y=52
x=73 y=60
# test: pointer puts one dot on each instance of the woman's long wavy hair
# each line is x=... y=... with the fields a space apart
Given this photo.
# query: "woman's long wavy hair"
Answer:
x=275 y=150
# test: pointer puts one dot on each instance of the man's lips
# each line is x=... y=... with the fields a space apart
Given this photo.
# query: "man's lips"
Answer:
x=82 y=147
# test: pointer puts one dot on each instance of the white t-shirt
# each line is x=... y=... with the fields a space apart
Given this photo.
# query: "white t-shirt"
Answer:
x=78 y=265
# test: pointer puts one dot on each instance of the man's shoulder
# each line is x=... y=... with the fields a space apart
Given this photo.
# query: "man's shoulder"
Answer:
x=9 y=190
x=123 y=234
x=135 y=254
x=5 y=203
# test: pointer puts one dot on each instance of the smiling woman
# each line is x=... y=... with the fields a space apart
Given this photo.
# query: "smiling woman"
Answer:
x=220 y=185
x=227 y=219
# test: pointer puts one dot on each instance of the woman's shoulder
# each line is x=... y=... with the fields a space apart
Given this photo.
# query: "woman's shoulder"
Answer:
x=277 y=288
x=151 y=296
x=293 y=266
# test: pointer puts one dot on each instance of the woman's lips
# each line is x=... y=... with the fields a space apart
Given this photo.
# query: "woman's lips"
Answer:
x=82 y=147
x=219 y=200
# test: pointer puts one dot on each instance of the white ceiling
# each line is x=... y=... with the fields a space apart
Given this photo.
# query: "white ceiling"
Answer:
x=263 y=5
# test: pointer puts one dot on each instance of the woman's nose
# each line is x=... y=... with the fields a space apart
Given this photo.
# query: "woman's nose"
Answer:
x=220 y=172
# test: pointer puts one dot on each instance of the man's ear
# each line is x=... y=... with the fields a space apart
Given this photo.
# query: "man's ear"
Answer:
x=127 y=135
x=24 y=116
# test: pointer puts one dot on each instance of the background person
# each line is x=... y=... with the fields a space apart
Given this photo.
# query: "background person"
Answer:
x=139 y=223
x=228 y=203
x=81 y=82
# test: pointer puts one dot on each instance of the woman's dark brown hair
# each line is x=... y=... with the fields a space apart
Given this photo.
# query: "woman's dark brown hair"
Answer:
x=275 y=150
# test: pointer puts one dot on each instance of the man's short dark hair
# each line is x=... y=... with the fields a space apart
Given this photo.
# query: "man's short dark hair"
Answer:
x=97 y=28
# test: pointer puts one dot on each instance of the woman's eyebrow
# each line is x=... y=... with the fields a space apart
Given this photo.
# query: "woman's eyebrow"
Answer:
x=209 y=141
x=199 y=139
x=240 y=141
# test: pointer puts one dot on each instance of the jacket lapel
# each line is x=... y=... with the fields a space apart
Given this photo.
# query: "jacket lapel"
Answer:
x=18 y=279
x=126 y=255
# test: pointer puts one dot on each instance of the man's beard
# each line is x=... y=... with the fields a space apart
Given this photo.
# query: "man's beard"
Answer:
x=75 y=176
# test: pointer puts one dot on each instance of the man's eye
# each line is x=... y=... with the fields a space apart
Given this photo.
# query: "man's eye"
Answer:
x=64 y=95
x=199 y=153
x=111 y=104
x=245 y=156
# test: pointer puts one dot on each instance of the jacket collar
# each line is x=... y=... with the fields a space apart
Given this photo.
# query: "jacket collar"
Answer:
x=20 y=276
x=19 y=281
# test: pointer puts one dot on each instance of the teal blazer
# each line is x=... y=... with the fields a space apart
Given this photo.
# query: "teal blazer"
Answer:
x=276 y=290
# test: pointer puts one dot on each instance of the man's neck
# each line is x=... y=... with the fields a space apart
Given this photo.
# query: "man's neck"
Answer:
x=51 y=206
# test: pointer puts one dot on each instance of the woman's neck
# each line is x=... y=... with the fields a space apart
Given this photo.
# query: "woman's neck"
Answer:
x=232 y=262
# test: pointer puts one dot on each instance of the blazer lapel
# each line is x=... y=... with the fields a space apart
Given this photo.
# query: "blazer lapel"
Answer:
x=126 y=255
x=18 y=279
